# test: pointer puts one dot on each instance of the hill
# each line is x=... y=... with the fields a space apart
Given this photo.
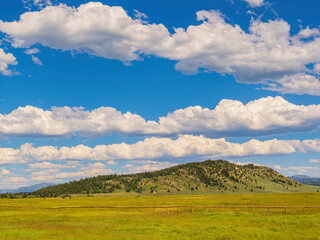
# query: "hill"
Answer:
x=192 y=178
x=314 y=181
x=27 y=189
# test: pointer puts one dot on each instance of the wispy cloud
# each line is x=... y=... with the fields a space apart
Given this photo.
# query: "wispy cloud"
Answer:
x=90 y=170
x=314 y=161
x=298 y=170
x=36 y=60
x=32 y=51
x=147 y=166
x=36 y=3
x=255 y=3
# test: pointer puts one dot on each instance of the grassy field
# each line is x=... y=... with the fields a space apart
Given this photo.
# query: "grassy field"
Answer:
x=95 y=223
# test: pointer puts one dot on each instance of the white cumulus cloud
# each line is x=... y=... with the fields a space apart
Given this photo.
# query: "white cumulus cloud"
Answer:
x=265 y=116
x=94 y=28
x=296 y=84
x=267 y=52
x=159 y=148
x=6 y=59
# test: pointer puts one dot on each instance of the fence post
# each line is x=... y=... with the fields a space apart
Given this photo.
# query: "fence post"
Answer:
x=154 y=211
x=252 y=210
x=285 y=210
x=192 y=209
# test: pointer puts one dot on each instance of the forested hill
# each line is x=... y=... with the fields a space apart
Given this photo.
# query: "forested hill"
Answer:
x=192 y=178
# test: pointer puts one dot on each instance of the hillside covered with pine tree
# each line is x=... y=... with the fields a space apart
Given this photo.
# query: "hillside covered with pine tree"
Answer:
x=192 y=178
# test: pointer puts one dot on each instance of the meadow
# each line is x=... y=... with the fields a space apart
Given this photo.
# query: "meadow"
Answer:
x=36 y=218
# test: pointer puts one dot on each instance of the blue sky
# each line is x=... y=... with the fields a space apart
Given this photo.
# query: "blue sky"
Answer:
x=83 y=85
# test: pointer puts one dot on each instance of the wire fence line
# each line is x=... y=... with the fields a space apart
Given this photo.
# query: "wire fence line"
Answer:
x=177 y=208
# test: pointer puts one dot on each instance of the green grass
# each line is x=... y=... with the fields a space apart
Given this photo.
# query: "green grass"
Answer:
x=29 y=223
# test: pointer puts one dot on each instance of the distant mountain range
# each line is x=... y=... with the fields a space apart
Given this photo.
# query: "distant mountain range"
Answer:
x=192 y=178
x=315 y=181
x=27 y=189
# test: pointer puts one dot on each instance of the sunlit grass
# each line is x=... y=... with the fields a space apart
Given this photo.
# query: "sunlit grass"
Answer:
x=28 y=223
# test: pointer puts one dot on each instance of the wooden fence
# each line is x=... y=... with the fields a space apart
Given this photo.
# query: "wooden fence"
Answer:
x=178 y=209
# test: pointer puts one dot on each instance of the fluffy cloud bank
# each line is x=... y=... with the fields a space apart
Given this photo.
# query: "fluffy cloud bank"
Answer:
x=266 y=54
x=296 y=84
x=93 y=28
x=6 y=59
x=159 y=148
x=265 y=116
